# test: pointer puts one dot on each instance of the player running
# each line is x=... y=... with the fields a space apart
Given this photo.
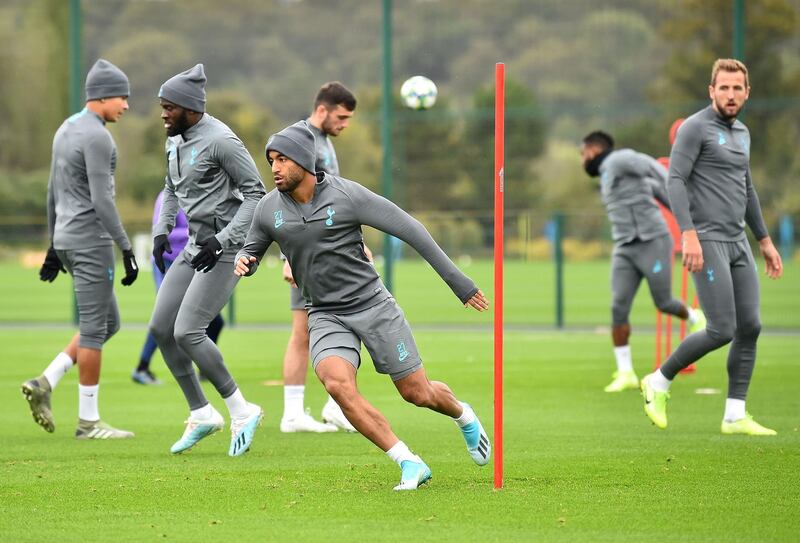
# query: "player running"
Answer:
x=316 y=219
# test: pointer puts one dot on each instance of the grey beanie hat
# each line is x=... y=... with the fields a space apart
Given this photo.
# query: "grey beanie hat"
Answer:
x=187 y=89
x=295 y=142
x=105 y=80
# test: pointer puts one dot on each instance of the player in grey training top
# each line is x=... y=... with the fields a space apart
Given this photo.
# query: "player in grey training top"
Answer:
x=213 y=179
x=629 y=182
x=712 y=196
x=334 y=105
x=84 y=224
x=316 y=220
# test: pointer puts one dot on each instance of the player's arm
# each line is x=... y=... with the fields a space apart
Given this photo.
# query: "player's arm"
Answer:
x=255 y=245
x=97 y=154
x=755 y=220
x=682 y=158
x=239 y=165
x=655 y=177
x=378 y=212
x=51 y=204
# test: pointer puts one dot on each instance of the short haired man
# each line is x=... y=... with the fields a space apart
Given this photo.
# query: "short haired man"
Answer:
x=629 y=182
x=84 y=224
x=316 y=219
x=712 y=195
x=213 y=179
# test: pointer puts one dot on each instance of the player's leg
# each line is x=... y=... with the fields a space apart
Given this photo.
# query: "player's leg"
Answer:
x=655 y=263
x=206 y=295
x=336 y=355
x=625 y=280
x=742 y=353
x=142 y=373
x=38 y=391
x=203 y=419
x=715 y=291
x=98 y=314
x=295 y=367
x=390 y=342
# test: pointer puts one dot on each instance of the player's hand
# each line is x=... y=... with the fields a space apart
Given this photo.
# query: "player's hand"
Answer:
x=243 y=267
x=160 y=246
x=287 y=274
x=131 y=269
x=692 y=251
x=772 y=258
x=51 y=266
x=207 y=257
x=478 y=301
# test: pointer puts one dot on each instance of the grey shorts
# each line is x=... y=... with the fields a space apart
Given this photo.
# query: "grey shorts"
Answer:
x=92 y=273
x=384 y=330
x=296 y=300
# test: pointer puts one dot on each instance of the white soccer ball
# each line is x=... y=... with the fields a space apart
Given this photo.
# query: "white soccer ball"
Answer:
x=419 y=92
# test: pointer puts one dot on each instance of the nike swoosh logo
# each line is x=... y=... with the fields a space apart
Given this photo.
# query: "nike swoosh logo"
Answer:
x=218 y=252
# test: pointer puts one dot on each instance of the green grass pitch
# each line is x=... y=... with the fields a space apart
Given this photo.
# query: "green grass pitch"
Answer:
x=581 y=465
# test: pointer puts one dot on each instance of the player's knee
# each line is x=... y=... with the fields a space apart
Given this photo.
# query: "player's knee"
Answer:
x=749 y=329
x=619 y=314
x=340 y=389
x=111 y=329
x=417 y=395
x=187 y=335
x=721 y=334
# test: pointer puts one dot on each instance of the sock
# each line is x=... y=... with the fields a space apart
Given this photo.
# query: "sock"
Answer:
x=204 y=413
x=659 y=382
x=144 y=365
x=400 y=452
x=623 y=356
x=734 y=410
x=692 y=315
x=237 y=406
x=57 y=369
x=467 y=416
x=293 y=396
x=87 y=402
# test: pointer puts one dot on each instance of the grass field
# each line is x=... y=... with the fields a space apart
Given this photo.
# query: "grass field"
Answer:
x=529 y=290
x=581 y=465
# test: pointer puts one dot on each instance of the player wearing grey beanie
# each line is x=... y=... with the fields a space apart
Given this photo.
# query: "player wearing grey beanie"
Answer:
x=296 y=142
x=187 y=89
x=105 y=80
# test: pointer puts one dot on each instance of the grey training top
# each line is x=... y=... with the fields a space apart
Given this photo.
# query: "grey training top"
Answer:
x=80 y=194
x=628 y=183
x=324 y=245
x=214 y=180
x=326 y=160
x=710 y=186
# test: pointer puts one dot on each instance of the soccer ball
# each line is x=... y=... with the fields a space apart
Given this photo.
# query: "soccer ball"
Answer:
x=419 y=92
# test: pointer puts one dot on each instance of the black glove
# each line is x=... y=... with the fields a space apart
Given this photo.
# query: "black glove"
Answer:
x=131 y=269
x=52 y=265
x=160 y=246
x=210 y=251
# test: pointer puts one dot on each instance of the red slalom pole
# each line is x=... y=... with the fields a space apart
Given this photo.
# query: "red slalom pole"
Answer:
x=499 y=181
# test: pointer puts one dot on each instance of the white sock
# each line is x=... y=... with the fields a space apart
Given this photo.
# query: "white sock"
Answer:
x=692 y=315
x=204 y=413
x=623 y=356
x=467 y=416
x=400 y=452
x=659 y=382
x=87 y=402
x=734 y=410
x=293 y=397
x=237 y=406
x=57 y=369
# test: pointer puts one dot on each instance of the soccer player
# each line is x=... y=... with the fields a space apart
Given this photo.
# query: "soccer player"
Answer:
x=316 y=219
x=629 y=182
x=334 y=105
x=214 y=180
x=177 y=239
x=712 y=195
x=84 y=225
